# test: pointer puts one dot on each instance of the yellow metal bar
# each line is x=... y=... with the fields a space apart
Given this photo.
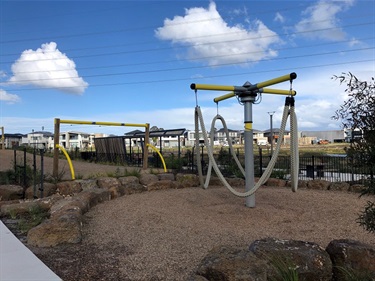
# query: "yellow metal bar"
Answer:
x=277 y=91
x=211 y=87
x=277 y=80
x=67 y=158
x=161 y=156
x=224 y=97
x=102 y=123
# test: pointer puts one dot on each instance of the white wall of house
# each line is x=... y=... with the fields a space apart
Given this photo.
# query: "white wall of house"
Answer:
x=77 y=140
x=38 y=140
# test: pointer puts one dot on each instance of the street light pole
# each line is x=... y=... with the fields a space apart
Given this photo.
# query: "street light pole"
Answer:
x=271 y=126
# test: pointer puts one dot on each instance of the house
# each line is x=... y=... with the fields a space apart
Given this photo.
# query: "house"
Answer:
x=12 y=140
x=76 y=140
x=274 y=136
x=39 y=140
x=221 y=136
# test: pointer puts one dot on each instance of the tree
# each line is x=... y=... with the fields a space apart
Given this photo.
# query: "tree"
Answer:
x=358 y=115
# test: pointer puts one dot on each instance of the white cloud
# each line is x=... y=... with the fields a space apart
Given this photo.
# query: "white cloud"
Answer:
x=279 y=18
x=209 y=37
x=47 y=67
x=9 y=98
x=322 y=17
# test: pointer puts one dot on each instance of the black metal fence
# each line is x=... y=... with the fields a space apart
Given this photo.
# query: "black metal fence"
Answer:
x=337 y=168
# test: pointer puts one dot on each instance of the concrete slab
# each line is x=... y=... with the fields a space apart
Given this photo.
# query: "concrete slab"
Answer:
x=18 y=263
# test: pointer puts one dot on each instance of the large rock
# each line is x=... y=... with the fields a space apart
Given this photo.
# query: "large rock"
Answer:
x=131 y=185
x=318 y=184
x=88 y=184
x=231 y=264
x=113 y=185
x=69 y=205
x=53 y=232
x=309 y=260
x=48 y=190
x=108 y=182
x=354 y=257
x=68 y=187
x=10 y=192
x=236 y=182
x=339 y=186
x=23 y=207
x=166 y=176
x=187 y=180
x=146 y=179
x=162 y=184
x=358 y=188
x=275 y=182
x=93 y=197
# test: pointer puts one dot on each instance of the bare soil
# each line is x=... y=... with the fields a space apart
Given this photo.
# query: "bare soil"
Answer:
x=163 y=235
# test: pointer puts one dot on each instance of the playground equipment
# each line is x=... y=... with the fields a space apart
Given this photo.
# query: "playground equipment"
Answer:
x=161 y=156
x=57 y=138
x=247 y=95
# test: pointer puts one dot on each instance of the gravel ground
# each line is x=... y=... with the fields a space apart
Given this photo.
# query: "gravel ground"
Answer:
x=163 y=235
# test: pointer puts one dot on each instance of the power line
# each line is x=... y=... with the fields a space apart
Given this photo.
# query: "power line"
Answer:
x=201 y=44
x=192 y=67
x=188 y=79
x=148 y=27
x=201 y=58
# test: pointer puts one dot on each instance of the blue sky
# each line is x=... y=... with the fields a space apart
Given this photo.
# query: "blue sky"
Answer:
x=134 y=61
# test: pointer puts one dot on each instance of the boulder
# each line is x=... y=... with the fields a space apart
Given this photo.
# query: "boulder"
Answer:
x=352 y=257
x=10 y=192
x=54 y=232
x=69 y=204
x=146 y=179
x=24 y=207
x=162 y=184
x=275 y=182
x=128 y=180
x=108 y=182
x=131 y=185
x=318 y=184
x=68 y=187
x=302 y=183
x=310 y=261
x=358 y=188
x=166 y=176
x=339 y=186
x=215 y=181
x=113 y=185
x=48 y=190
x=93 y=197
x=88 y=184
x=230 y=264
x=236 y=182
x=187 y=180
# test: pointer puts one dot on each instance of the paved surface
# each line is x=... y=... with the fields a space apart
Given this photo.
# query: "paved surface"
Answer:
x=17 y=262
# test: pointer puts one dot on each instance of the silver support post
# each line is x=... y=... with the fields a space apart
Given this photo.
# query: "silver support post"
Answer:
x=249 y=153
x=271 y=132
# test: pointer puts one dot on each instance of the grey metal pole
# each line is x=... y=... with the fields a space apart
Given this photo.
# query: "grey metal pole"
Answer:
x=249 y=153
x=271 y=132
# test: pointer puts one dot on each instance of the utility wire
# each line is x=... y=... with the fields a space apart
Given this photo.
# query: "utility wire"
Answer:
x=197 y=78
x=201 y=44
x=189 y=67
x=202 y=58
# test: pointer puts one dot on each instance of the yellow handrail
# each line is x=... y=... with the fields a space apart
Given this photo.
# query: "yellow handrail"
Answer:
x=161 y=156
x=67 y=158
